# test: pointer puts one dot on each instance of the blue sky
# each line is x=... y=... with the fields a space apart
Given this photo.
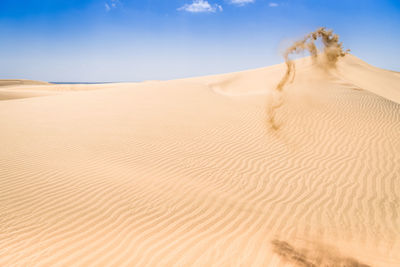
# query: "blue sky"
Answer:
x=135 y=40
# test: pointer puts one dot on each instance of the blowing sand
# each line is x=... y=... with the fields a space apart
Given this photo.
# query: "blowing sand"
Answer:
x=188 y=173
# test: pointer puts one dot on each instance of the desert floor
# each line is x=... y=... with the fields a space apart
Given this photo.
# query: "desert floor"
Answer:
x=190 y=173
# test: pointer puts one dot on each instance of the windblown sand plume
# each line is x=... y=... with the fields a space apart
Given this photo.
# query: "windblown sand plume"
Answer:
x=183 y=173
x=333 y=49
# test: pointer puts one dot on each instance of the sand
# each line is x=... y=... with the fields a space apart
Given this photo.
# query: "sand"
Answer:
x=188 y=173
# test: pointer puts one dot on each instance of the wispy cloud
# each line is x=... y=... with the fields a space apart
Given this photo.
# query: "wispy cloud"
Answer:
x=111 y=4
x=241 y=2
x=273 y=4
x=200 y=6
x=107 y=6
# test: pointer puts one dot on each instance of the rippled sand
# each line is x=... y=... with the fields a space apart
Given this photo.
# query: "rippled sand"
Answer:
x=188 y=173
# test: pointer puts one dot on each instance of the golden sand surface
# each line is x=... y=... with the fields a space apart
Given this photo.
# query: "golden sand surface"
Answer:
x=189 y=173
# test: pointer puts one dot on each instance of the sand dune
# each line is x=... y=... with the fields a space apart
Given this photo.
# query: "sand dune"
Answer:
x=16 y=89
x=188 y=173
x=21 y=82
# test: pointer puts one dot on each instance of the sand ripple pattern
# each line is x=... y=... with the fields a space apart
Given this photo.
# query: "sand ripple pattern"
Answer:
x=173 y=174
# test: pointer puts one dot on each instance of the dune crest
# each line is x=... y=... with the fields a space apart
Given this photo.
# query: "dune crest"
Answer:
x=333 y=50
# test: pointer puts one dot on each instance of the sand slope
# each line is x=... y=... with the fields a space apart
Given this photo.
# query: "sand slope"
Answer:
x=15 y=89
x=21 y=82
x=188 y=173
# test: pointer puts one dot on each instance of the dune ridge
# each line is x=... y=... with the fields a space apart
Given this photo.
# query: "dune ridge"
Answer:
x=19 y=89
x=16 y=82
x=333 y=50
x=186 y=172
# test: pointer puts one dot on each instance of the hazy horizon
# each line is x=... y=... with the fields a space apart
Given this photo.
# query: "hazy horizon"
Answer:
x=125 y=40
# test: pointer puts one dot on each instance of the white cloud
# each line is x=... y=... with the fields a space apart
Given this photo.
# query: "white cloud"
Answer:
x=241 y=2
x=273 y=4
x=111 y=4
x=107 y=7
x=199 y=6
